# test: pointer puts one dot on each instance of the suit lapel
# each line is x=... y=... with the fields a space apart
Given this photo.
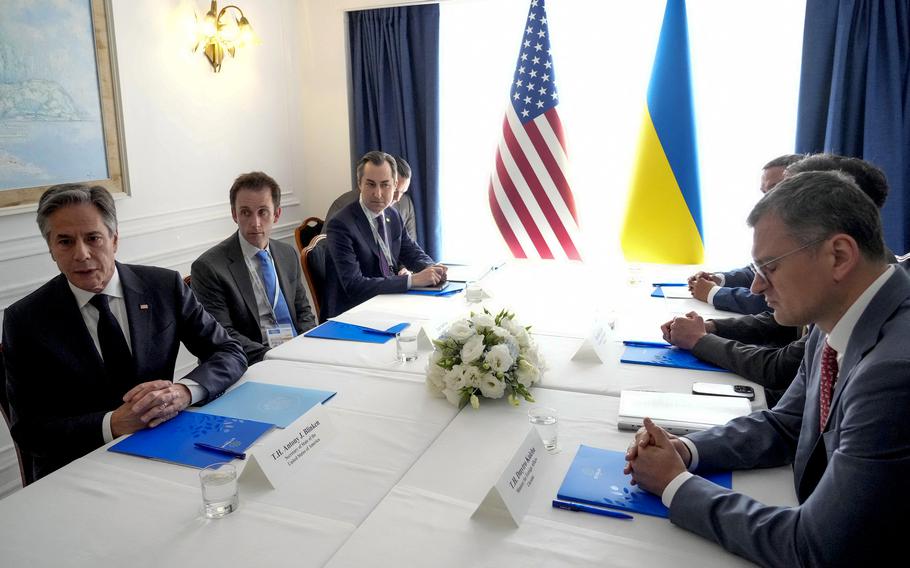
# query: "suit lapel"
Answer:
x=241 y=274
x=139 y=308
x=75 y=331
x=367 y=232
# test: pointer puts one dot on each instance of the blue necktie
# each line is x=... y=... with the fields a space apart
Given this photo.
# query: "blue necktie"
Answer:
x=275 y=297
x=383 y=261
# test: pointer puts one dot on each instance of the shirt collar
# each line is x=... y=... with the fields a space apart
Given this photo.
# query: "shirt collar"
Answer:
x=366 y=210
x=843 y=329
x=114 y=288
x=248 y=250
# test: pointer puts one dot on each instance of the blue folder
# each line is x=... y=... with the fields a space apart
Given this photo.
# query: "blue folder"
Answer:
x=174 y=441
x=663 y=355
x=658 y=291
x=449 y=289
x=350 y=332
x=277 y=404
x=596 y=478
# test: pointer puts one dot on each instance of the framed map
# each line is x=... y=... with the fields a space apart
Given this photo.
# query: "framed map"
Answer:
x=60 y=118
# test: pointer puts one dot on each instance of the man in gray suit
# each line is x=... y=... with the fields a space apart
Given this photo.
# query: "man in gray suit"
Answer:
x=820 y=259
x=250 y=283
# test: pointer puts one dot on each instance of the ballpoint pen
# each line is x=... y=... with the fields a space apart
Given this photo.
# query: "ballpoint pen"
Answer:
x=646 y=344
x=588 y=509
x=380 y=332
x=220 y=450
x=669 y=284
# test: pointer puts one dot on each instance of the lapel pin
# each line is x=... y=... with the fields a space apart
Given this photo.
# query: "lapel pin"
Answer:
x=143 y=306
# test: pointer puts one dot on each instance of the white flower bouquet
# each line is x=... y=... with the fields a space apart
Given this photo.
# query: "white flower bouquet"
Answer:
x=484 y=355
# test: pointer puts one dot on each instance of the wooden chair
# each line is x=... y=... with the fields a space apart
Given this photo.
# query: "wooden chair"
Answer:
x=313 y=261
x=26 y=471
x=188 y=280
x=303 y=234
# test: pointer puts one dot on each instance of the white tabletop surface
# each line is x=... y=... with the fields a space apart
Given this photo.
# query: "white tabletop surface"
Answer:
x=426 y=519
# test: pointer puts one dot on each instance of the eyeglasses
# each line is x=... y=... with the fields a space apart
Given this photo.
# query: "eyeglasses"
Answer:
x=758 y=268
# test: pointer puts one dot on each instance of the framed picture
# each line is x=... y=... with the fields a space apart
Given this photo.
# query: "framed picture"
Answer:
x=60 y=119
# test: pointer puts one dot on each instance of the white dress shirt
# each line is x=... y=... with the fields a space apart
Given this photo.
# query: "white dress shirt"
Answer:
x=266 y=314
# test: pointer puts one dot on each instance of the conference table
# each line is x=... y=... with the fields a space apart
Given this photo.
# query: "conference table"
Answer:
x=398 y=482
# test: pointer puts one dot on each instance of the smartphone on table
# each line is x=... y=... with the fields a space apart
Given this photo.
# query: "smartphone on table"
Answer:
x=720 y=389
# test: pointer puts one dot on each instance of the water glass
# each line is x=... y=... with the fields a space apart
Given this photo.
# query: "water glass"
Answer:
x=406 y=346
x=219 y=490
x=544 y=419
x=473 y=293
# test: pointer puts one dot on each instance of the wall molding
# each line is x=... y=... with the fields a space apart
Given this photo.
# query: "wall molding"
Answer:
x=24 y=246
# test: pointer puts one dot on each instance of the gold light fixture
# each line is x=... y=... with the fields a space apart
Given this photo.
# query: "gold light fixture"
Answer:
x=219 y=32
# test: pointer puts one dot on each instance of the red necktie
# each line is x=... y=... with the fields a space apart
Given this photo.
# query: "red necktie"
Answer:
x=829 y=375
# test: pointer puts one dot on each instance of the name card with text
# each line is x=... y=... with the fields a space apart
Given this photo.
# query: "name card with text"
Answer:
x=516 y=486
x=596 y=345
x=287 y=451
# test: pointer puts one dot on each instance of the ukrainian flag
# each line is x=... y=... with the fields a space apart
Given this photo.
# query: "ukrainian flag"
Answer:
x=663 y=217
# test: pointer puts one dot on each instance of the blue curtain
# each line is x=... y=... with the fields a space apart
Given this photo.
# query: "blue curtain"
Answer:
x=854 y=95
x=395 y=100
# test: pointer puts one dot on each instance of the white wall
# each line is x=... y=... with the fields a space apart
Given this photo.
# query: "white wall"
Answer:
x=188 y=133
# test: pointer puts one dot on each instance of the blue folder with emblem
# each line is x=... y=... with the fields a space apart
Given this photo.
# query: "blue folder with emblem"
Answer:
x=175 y=440
x=349 y=332
x=658 y=291
x=278 y=404
x=449 y=289
x=596 y=478
x=663 y=355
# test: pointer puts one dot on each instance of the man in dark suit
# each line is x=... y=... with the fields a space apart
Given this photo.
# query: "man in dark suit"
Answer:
x=249 y=282
x=400 y=200
x=730 y=290
x=820 y=259
x=90 y=355
x=756 y=346
x=370 y=251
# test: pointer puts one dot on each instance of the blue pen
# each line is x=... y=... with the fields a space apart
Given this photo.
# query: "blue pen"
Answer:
x=588 y=509
x=379 y=332
x=219 y=449
x=646 y=344
x=669 y=284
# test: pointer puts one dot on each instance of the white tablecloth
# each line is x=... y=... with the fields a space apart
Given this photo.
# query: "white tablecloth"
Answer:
x=425 y=519
x=135 y=507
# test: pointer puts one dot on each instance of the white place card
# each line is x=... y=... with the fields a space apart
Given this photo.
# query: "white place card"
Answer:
x=596 y=345
x=515 y=488
x=429 y=332
x=287 y=451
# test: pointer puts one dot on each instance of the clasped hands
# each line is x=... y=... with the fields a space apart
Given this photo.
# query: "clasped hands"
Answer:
x=147 y=405
x=655 y=457
x=684 y=332
x=700 y=284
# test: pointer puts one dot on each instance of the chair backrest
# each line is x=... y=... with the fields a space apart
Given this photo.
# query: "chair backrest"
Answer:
x=303 y=234
x=26 y=470
x=188 y=280
x=313 y=261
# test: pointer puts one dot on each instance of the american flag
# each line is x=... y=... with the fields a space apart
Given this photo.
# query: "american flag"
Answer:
x=530 y=196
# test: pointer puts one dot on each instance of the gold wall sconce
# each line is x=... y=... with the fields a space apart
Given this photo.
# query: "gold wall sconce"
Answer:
x=220 y=31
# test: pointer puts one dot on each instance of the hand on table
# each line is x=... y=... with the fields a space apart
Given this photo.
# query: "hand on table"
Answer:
x=429 y=276
x=701 y=274
x=684 y=332
x=147 y=405
x=701 y=287
x=404 y=272
x=655 y=458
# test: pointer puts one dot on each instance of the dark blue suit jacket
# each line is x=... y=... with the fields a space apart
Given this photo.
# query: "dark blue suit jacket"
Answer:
x=735 y=296
x=58 y=389
x=354 y=274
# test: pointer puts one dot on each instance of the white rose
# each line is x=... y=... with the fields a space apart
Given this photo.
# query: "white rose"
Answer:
x=453 y=396
x=483 y=321
x=454 y=379
x=499 y=359
x=472 y=376
x=472 y=349
x=435 y=357
x=491 y=387
x=523 y=337
x=509 y=325
x=502 y=333
x=460 y=331
x=527 y=374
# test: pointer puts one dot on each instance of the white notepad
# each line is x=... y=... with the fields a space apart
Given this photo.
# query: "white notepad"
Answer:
x=678 y=413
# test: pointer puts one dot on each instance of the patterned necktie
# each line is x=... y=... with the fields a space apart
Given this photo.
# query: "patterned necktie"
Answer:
x=118 y=361
x=829 y=376
x=383 y=261
x=275 y=297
